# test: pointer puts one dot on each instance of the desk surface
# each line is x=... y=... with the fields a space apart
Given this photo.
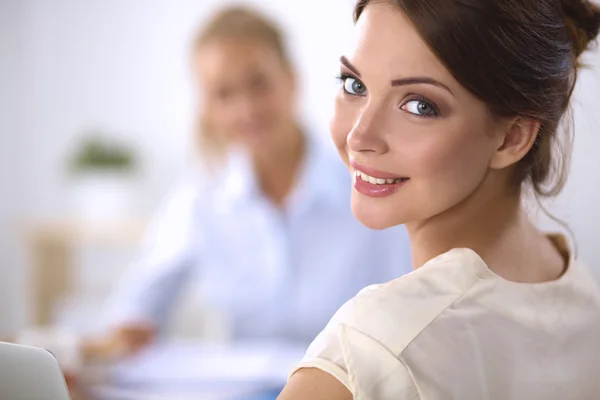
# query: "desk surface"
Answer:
x=74 y=232
x=182 y=371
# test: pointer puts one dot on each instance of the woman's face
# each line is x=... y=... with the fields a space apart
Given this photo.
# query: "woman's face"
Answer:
x=247 y=91
x=416 y=141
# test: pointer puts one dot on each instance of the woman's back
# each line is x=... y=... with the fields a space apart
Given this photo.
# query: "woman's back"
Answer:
x=455 y=330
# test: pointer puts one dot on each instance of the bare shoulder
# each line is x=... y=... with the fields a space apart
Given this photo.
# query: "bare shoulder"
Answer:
x=314 y=384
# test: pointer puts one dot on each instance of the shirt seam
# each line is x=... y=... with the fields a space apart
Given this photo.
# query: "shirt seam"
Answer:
x=427 y=326
x=409 y=372
x=412 y=377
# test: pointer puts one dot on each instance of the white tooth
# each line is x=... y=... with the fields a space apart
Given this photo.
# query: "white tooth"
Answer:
x=390 y=181
x=380 y=181
x=364 y=177
x=372 y=180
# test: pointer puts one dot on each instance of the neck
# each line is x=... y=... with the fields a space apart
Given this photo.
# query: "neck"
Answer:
x=276 y=167
x=493 y=224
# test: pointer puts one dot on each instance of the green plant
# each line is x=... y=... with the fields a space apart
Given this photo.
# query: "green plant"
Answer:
x=96 y=153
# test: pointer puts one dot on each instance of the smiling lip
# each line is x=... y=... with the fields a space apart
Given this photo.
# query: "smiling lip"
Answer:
x=374 y=183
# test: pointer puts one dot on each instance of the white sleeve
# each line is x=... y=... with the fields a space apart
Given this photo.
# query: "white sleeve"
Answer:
x=148 y=290
x=366 y=367
x=327 y=354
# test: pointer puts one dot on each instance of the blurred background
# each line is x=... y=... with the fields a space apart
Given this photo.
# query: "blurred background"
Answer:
x=96 y=98
x=121 y=69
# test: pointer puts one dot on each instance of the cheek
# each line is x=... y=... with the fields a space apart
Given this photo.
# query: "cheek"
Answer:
x=277 y=104
x=217 y=117
x=451 y=163
x=439 y=158
x=227 y=121
x=286 y=103
x=340 y=126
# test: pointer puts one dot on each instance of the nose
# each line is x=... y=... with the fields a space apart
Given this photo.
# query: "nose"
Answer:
x=367 y=134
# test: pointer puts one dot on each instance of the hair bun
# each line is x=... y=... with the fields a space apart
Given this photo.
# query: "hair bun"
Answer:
x=583 y=21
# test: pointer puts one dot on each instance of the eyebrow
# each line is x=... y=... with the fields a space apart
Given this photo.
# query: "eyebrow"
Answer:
x=420 y=80
x=400 y=82
x=349 y=65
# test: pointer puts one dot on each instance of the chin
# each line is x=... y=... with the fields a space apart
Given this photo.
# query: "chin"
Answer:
x=374 y=213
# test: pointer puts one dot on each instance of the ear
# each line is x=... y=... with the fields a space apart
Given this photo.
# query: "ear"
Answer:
x=515 y=142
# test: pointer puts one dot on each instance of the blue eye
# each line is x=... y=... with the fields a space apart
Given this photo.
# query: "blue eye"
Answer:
x=420 y=108
x=352 y=85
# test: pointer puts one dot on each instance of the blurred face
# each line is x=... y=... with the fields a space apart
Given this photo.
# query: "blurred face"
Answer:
x=248 y=92
x=416 y=141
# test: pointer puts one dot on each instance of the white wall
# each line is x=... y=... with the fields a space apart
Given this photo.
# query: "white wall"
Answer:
x=122 y=64
x=11 y=192
x=579 y=204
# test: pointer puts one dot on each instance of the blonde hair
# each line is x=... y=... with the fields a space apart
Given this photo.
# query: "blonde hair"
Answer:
x=234 y=22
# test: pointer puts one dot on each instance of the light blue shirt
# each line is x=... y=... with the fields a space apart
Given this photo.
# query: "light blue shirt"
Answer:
x=277 y=273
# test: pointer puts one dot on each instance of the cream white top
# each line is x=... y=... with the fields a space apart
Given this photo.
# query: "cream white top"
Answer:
x=453 y=329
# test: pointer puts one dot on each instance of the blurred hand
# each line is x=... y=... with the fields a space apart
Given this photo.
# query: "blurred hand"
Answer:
x=71 y=380
x=124 y=341
x=76 y=392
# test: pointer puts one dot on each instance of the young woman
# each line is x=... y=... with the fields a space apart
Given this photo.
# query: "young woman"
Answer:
x=458 y=105
x=264 y=229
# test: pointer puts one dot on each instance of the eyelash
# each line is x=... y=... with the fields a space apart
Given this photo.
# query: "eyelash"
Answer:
x=342 y=76
x=421 y=99
x=341 y=79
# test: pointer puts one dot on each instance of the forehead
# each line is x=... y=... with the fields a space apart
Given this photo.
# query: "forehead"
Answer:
x=386 y=42
x=223 y=57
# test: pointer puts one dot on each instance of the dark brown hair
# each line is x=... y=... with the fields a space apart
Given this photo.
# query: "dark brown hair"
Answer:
x=237 y=23
x=520 y=57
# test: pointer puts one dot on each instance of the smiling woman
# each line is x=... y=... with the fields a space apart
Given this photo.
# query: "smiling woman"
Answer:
x=445 y=111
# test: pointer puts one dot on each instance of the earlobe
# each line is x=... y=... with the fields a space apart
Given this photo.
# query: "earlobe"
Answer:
x=517 y=140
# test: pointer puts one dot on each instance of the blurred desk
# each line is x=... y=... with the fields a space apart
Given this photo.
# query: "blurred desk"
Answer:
x=51 y=245
x=182 y=371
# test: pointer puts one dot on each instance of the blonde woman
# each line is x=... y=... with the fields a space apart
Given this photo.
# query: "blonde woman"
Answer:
x=263 y=229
